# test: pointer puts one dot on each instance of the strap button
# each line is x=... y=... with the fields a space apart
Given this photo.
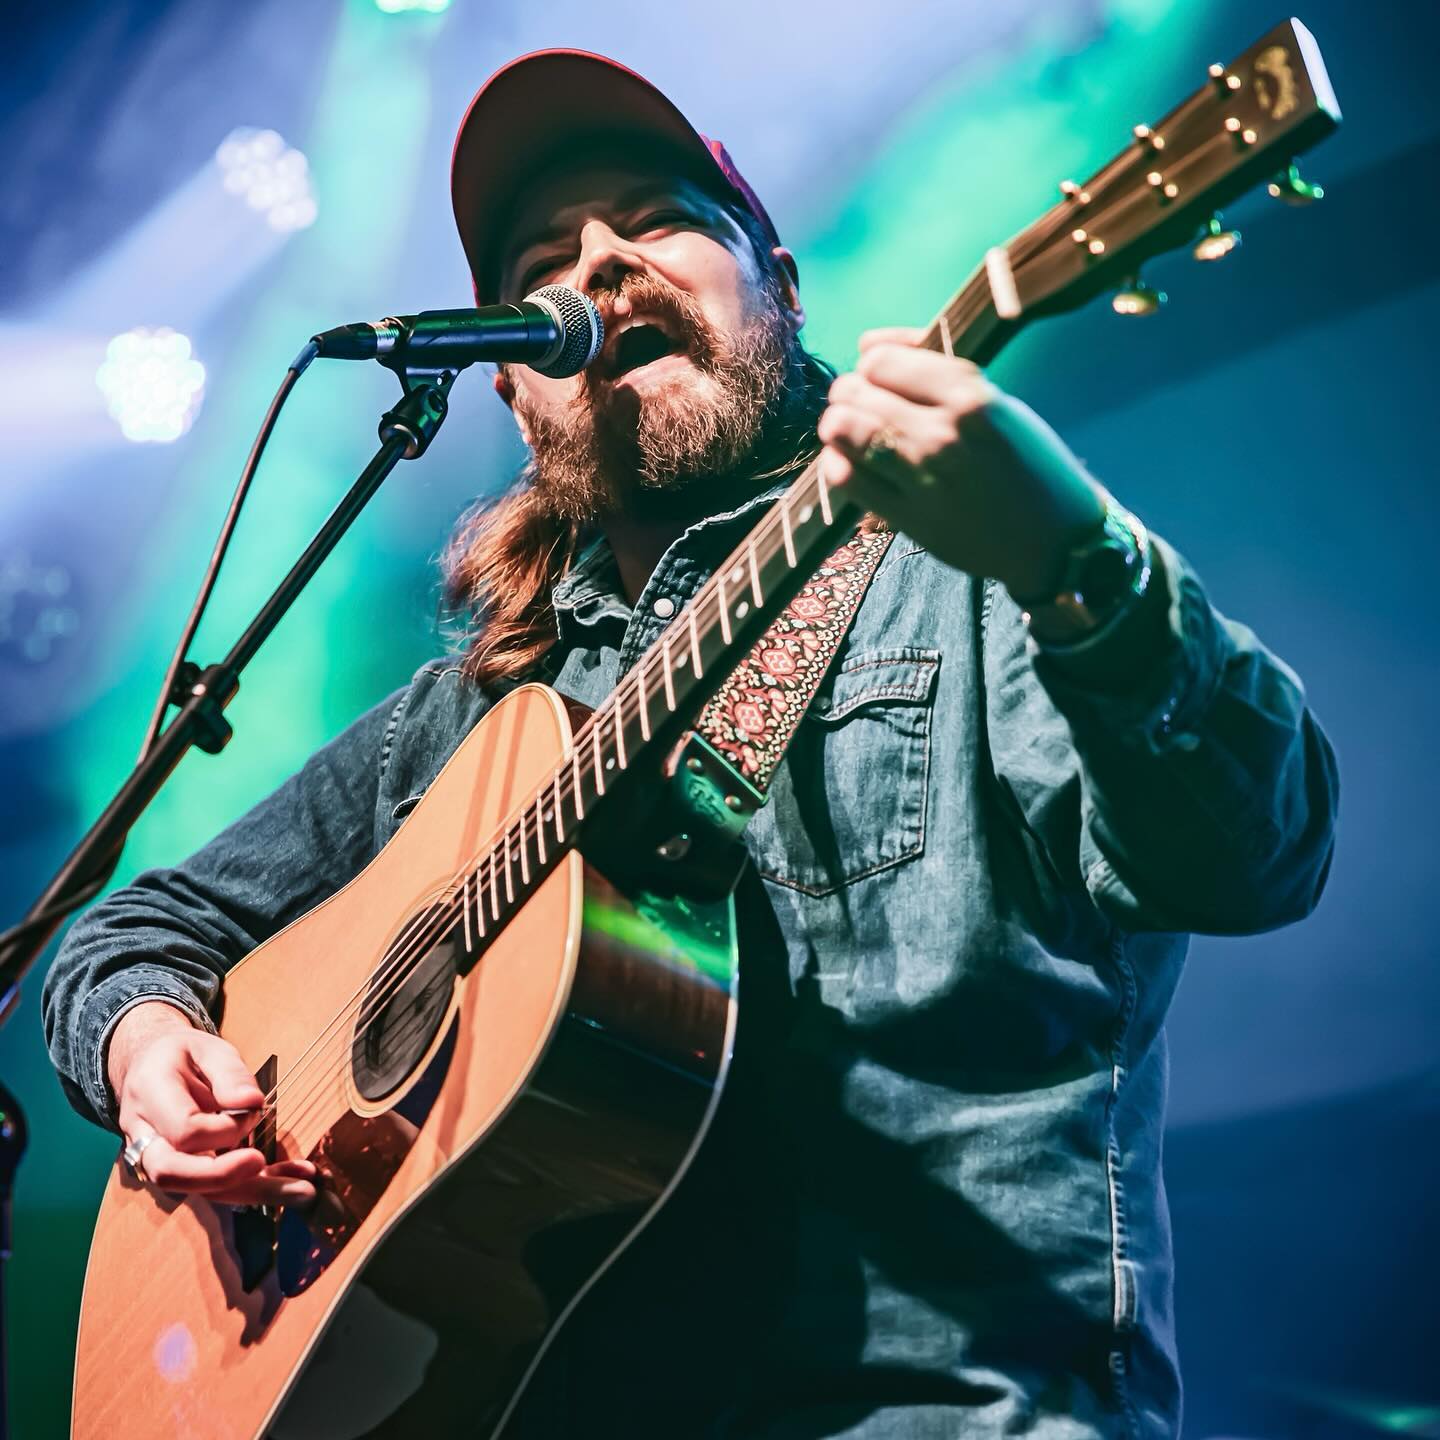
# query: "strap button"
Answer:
x=664 y=607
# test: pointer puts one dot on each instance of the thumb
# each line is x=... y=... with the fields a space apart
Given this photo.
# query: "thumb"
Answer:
x=231 y=1083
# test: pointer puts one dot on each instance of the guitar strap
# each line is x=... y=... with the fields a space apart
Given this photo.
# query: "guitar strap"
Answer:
x=752 y=718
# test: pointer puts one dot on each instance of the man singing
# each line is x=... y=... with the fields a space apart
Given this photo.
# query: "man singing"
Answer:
x=931 y=1204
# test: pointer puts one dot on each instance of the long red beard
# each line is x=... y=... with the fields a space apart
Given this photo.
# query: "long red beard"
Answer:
x=627 y=450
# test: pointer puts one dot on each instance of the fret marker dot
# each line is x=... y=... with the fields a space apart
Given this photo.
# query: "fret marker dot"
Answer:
x=664 y=607
x=737 y=574
x=742 y=609
x=610 y=763
x=806 y=511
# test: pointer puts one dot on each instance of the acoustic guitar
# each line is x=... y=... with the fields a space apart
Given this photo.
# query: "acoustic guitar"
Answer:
x=503 y=1041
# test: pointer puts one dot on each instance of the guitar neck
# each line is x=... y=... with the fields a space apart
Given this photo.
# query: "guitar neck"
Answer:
x=1248 y=118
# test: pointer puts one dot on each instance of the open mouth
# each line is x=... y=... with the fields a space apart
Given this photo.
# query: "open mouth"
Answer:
x=640 y=345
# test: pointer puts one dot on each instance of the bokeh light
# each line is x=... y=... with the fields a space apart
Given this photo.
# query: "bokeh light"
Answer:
x=35 y=610
x=152 y=383
x=399 y=7
x=269 y=175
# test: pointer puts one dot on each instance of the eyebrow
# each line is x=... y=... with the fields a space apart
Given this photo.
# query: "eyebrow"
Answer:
x=553 y=234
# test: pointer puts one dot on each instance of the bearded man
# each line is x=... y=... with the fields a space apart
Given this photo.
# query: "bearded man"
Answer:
x=931 y=1203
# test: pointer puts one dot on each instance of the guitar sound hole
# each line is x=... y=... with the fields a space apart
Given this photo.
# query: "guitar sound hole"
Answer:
x=404 y=1005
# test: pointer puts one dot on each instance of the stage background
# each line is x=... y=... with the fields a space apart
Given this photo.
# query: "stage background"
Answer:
x=1276 y=421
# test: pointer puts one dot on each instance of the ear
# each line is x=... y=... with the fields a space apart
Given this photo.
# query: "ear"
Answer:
x=790 y=276
x=505 y=389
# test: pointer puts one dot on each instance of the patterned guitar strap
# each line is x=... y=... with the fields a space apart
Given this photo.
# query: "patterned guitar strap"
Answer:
x=752 y=719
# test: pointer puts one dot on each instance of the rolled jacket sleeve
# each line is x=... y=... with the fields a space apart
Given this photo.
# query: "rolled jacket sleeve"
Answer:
x=1206 y=789
x=172 y=934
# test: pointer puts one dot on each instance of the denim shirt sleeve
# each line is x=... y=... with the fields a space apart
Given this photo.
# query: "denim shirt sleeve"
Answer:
x=172 y=934
x=1206 y=791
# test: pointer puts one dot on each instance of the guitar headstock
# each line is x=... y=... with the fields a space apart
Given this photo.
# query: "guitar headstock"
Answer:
x=1245 y=124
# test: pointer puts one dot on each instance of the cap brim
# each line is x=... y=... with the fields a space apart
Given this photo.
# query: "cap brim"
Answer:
x=527 y=112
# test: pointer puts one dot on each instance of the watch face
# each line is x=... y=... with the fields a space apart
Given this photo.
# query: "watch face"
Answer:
x=1107 y=573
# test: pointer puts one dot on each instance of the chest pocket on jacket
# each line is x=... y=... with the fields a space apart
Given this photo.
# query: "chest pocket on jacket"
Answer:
x=850 y=798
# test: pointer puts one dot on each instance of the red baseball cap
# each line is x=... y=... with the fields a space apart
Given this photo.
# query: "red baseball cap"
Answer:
x=525 y=114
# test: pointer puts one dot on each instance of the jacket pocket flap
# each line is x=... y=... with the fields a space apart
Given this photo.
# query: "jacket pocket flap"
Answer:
x=905 y=675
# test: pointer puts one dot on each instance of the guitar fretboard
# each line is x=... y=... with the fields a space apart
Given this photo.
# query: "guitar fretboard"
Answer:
x=690 y=660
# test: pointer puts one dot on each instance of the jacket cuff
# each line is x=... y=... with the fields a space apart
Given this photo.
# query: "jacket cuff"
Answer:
x=104 y=1006
x=1160 y=702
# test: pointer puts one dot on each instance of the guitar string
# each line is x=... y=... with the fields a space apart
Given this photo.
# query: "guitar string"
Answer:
x=380 y=988
x=376 y=991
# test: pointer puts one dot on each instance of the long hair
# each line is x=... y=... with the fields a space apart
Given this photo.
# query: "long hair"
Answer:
x=506 y=555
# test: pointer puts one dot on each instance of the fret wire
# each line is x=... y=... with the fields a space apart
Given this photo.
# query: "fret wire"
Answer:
x=789 y=538
x=509 y=882
x=724 y=609
x=576 y=798
x=539 y=825
x=669 y=679
x=694 y=637
x=524 y=855
x=465 y=911
x=642 y=687
x=494 y=893
x=620 y=760
x=824 y=490
x=559 y=828
x=595 y=762
x=754 y=573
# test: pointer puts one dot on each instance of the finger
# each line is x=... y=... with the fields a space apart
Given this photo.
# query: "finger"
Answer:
x=853 y=431
x=159 y=1097
x=925 y=376
x=892 y=335
x=167 y=1168
x=217 y=1130
x=230 y=1081
x=843 y=473
x=919 y=423
x=277 y=1190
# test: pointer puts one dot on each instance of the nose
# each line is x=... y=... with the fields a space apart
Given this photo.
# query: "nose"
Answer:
x=605 y=257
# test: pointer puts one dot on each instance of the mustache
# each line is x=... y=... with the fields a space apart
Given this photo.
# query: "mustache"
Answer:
x=649 y=295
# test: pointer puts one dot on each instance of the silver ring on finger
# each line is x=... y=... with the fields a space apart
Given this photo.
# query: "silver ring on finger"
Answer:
x=133 y=1155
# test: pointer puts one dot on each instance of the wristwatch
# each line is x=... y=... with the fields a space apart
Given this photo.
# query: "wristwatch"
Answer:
x=1104 y=578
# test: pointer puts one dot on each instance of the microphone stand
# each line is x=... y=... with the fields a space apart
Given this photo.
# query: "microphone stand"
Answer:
x=202 y=694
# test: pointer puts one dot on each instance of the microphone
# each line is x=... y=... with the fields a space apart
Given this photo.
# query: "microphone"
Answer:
x=556 y=330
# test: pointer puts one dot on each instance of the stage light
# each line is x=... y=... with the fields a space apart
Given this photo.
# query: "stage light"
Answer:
x=152 y=383
x=35 y=614
x=397 y=7
x=269 y=176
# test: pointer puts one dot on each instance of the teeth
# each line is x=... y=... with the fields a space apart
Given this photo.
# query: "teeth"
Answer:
x=630 y=322
x=612 y=339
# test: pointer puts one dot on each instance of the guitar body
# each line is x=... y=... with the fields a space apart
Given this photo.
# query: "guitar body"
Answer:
x=482 y=1161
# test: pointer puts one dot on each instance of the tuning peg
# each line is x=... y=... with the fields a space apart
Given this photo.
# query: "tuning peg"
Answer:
x=1137 y=298
x=1291 y=187
x=1217 y=242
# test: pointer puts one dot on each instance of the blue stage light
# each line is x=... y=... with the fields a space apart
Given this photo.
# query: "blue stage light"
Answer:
x=152 y=383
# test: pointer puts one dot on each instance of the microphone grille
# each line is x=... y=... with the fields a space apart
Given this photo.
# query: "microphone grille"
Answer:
x=580 y=324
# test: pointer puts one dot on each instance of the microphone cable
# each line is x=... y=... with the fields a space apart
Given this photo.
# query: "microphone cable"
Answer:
x=166 y=697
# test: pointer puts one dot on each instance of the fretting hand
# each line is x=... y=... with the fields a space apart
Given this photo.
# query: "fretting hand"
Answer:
x=927 y=442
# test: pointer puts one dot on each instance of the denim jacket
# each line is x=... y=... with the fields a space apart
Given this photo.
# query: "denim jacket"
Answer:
x=934 y=1205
